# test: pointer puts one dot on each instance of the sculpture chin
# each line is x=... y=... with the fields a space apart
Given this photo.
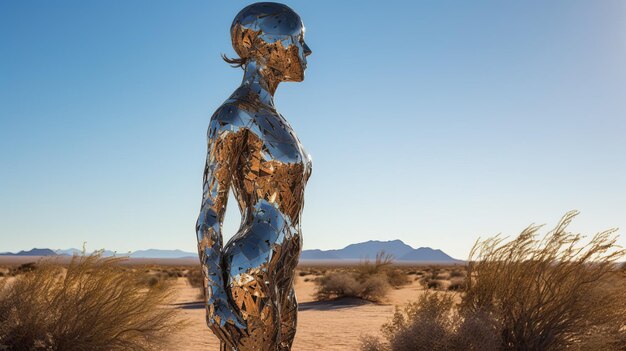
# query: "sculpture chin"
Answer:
x=296 y=76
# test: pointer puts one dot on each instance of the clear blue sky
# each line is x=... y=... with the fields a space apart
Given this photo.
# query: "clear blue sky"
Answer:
x=434 y=122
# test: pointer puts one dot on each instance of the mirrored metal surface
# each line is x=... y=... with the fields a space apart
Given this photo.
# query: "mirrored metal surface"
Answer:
x=252 y=149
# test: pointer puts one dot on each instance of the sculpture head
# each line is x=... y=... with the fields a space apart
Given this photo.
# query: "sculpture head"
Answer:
x=272 y=35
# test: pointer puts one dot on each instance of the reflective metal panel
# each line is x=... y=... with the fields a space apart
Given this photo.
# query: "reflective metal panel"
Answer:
x=250 y=300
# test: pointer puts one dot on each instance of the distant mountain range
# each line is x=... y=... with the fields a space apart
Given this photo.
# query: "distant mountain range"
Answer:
x=398 y=249
x=150 y=253
x=368 y=249
x=33 y=252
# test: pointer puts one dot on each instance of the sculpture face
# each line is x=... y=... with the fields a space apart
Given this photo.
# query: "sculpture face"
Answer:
x=273 y=35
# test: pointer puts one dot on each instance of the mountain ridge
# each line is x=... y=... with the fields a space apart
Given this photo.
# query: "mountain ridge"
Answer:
x=368 y=249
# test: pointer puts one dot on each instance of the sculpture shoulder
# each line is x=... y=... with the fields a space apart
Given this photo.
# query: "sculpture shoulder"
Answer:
x=230 y=117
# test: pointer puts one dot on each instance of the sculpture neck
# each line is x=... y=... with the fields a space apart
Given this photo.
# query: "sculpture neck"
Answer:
x=261 y=80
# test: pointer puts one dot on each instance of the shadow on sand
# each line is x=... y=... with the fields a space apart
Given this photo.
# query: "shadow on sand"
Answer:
x=194 y=305
x=332 y=304
x=304 y=306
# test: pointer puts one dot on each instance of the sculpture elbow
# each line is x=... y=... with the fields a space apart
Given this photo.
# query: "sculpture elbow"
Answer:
x=207 y=224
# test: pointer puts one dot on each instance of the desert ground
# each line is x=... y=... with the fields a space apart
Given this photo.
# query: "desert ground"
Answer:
x=338 y=304
x=324 y=325
x=335 y=324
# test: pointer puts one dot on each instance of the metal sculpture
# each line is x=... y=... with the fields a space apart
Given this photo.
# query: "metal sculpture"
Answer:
x=250 y=300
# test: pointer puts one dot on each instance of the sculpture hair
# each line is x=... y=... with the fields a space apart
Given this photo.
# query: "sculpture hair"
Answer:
x=235 y=62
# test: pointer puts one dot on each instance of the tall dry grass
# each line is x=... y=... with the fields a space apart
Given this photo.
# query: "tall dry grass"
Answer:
x=92 y=304
x=550 y=293
x=554 y=293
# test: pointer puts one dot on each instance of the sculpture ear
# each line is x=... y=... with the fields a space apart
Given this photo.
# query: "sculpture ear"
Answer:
x=244 y=41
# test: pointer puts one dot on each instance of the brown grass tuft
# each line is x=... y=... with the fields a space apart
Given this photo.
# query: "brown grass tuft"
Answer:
x=92 y=304
x=526 y=294
x=549 y=293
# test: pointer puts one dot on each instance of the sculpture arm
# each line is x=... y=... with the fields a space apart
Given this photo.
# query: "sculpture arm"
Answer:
x=224 y=146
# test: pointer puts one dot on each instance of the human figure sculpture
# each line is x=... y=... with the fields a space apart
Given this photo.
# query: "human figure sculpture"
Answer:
x=248 y=283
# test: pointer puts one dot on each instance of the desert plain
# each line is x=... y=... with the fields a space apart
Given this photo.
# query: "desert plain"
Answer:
x=331 y=324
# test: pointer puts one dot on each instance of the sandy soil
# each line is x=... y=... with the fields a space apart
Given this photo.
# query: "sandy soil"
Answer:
x=321 y=325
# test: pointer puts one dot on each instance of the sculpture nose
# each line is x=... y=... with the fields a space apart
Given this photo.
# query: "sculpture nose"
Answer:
x=307 y=50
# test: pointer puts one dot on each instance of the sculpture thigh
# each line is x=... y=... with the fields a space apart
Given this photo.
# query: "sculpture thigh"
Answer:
x=260 y=265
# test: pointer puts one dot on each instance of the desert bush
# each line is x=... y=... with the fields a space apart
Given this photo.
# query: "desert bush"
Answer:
x=159 y=277
x=92 y=304
x=443 y=275
x=435 y=279
x=195 y=278
x=382 y=262
x=438 y=284
x=457 y=284
x=23 y=268
x=369 y=280
x=382 y=265
x=457 y=273
x=433 y=323
x=553 y=293
x=175 y=273
x=397 y=277
x=345 y=284
x=336 y=285
x=527 y=294
x=374 y=288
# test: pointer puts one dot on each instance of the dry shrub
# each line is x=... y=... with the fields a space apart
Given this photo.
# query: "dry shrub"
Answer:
x=433 y=323
x=337 y=285
x=382 y=262
x=195 y=278
x=374 y=288
x=553 y=293
x=397 y=277
x=458 y=274
x=382 y=265
x=92 y=304
x=23 y=268
x=156 y=278
x=369 y=280
x=438 y=284
x=345 y=284
x=437 y=279
x=527 y=294
x=457 y=284
x=443 y=275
